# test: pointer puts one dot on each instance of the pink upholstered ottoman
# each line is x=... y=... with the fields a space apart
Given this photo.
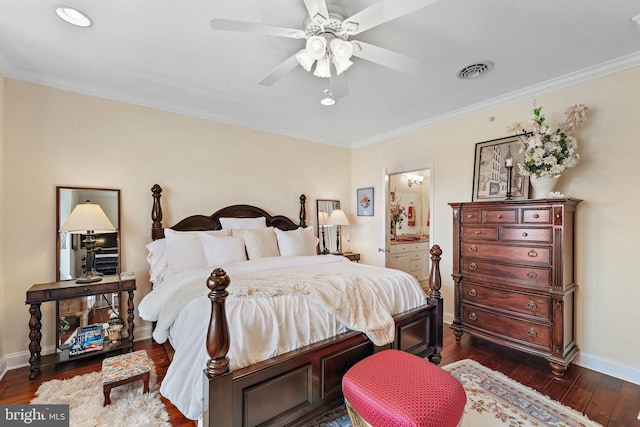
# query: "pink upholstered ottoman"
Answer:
x=394 y=388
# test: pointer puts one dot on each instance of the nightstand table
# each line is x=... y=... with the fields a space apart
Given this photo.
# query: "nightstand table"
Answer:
x=352 y=256
x=56 y=291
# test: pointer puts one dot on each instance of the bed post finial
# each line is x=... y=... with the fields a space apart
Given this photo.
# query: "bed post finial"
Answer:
x=435 y=281
x=218 y=333
x=303 y=211
x=157 y=231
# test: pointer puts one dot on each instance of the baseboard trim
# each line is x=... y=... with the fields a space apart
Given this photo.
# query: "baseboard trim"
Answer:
x=21 y=359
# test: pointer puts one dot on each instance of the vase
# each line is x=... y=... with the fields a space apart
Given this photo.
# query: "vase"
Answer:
x=543 y=185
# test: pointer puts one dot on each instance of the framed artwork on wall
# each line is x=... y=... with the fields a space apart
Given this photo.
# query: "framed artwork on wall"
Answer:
x=490 y=174
x=365 y=201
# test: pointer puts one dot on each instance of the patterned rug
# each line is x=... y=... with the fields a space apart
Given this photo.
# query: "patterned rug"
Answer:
x=493 y=399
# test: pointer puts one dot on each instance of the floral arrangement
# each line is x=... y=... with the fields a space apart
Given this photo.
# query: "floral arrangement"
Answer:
x=398 y=212
x=547 y=153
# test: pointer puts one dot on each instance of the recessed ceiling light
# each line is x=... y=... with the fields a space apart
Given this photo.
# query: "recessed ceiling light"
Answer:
x=475 y=70
x=73 y=16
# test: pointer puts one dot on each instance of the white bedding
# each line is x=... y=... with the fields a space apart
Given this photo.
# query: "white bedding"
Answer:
x=304 y=305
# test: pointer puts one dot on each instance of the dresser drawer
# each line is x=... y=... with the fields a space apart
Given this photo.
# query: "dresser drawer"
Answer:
x=536 y=216
x=499 y=216
x=470 y=216
x=415 y=265
x=532 y=275
x=524 y=234
x=399 y=249
x=507 y=327
x=523 y=303
x=526 y=254
x=480 y=233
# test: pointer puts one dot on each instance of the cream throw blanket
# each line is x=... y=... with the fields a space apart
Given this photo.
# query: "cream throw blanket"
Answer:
x=351 y=296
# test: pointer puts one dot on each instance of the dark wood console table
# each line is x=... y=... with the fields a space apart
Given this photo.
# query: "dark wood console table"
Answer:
x=69 y=289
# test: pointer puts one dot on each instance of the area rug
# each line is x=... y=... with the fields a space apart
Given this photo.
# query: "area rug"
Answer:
x=493 y=399
x=83 y=393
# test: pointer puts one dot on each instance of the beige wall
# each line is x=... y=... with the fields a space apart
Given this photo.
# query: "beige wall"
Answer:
x=607 y=233
x=54 y=137
x=3 y=318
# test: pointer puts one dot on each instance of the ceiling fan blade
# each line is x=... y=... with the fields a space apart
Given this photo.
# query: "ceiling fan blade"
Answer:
x=385 y=57
x=280 y=71
x=381 y=12
x=251 y=27
x=339 y=87
x=318 y=11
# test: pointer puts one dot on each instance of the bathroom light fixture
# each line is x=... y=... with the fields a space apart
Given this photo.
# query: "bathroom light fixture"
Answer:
x=414 y=180
x=73 y=16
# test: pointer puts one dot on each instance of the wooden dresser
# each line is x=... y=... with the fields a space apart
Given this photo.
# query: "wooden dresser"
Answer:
x=513 y=275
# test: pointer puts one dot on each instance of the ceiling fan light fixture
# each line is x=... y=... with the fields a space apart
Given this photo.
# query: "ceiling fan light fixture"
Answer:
x=73 y=16
x=305 y=60
x=316 y=47
x=341 y=50
x=342 y=65
x=323 y=67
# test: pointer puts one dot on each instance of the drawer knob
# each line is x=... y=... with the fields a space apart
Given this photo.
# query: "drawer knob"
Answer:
x=532 y=275
x=524 y=234
x=532 y=253
x=536 y=216
x=471 y=216
x=473 y=292
x=532 y=305
x=532 y=333
x=473 y=248
x=473 y=266
x=499 y=216
x=85 y=290
x=473 y=316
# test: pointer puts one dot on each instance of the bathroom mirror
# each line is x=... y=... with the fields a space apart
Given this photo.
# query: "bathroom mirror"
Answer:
x=326 y=234
x=70 y=251
x=70 y=262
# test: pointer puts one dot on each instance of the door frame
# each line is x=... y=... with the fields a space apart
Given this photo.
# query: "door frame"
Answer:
x=386 y=173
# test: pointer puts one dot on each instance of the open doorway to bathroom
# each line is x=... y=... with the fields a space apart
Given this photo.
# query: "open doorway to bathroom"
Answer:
x=409 y=222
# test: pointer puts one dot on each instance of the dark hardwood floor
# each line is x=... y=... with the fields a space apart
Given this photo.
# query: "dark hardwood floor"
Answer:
x=604 y=399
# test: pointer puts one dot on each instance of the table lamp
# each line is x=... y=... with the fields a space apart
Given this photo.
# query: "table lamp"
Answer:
x=88 y=218
x=338 y=218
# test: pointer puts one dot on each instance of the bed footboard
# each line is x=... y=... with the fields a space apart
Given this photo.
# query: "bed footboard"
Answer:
x=298 y=386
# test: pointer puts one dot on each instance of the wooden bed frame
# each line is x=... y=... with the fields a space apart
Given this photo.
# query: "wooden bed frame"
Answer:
x=300 y=385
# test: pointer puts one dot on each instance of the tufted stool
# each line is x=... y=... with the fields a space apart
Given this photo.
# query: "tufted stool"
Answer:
x=394 y=388
x=123 y=369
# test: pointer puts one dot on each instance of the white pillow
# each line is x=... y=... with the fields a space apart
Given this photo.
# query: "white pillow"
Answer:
x=157 y=259
x=243 y=223
x=221 y=250
x=298 y=242
x=184 y=249
x=260 y=242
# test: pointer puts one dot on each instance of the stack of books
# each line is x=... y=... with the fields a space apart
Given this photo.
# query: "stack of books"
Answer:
x=86 y=339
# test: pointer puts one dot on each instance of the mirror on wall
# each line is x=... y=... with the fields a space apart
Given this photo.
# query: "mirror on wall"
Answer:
x=71 y=256
x=326 y=233
x=70 y=249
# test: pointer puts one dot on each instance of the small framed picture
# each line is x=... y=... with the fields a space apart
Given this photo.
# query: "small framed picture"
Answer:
x=365 y=201
x=490 y=174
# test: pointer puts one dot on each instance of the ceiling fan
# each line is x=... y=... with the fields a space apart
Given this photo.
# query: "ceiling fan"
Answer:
x=327 y=32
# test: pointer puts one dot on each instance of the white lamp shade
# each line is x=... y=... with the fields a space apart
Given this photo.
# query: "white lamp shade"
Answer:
x=323 y=219
x=338 y=218
x=323 y=68
x=316 y=47
x=342 y=65
x=341 y=49
x=87 y=217
x=305 y=60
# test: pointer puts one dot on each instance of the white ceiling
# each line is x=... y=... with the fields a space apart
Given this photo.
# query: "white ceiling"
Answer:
x=164 y=54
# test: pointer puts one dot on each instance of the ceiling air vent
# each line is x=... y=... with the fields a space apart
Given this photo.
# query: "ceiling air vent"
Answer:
x=475 y=70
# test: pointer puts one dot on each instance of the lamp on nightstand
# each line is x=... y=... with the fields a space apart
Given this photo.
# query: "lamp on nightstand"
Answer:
x=88 y=218
x=338 y=218
x=323 y=222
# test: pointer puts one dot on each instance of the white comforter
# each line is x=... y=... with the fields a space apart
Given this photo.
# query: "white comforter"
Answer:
x=275 y=305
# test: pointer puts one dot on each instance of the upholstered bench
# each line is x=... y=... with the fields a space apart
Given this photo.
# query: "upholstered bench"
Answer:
x=123 y=369
x=394 y=388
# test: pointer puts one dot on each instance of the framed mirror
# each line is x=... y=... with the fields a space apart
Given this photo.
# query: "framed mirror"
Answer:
x=71 y=256
x=326 y=233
